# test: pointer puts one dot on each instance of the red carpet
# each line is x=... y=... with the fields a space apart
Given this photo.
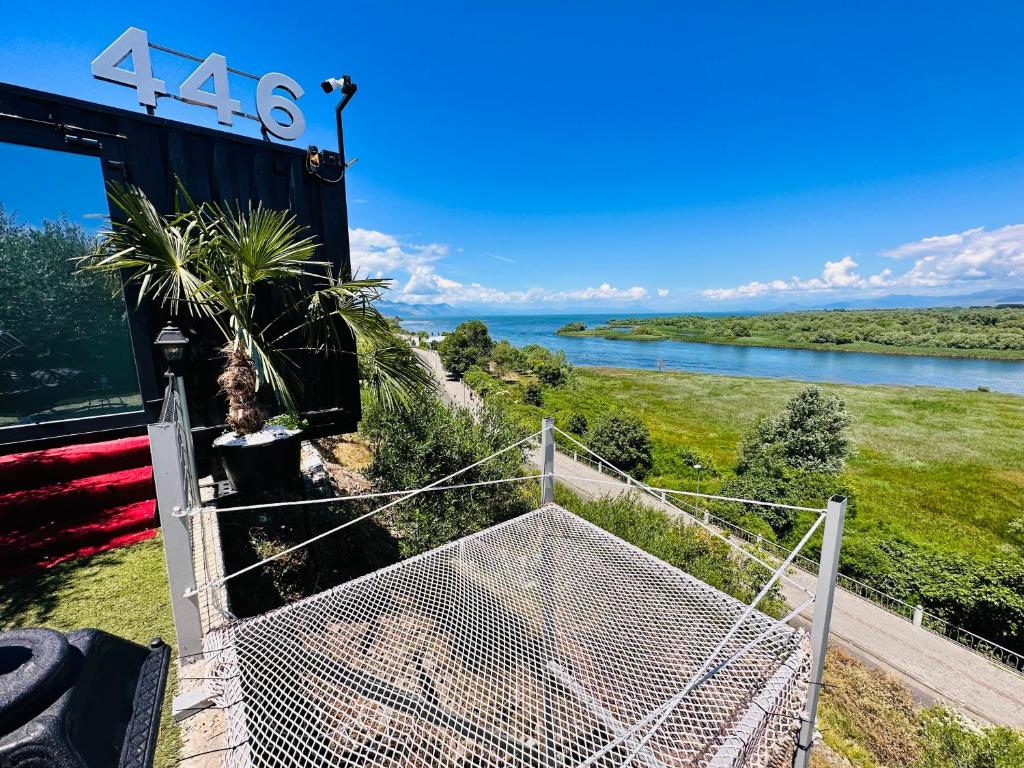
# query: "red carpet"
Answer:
x=65 y=503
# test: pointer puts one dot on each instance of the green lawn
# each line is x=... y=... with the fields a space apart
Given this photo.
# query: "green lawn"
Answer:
x=123 y=592
x=937 y=467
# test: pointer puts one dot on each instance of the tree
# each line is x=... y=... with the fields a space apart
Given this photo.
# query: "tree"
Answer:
x=533 y=394
x=469 y=344
x=810 y=434
x=508 y=359
x=221 y=264
x=622 y=439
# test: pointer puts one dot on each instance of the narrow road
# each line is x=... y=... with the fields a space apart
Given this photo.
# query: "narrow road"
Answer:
x=934 y=667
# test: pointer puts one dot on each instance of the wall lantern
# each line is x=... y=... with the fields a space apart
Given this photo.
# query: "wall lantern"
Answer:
x=171 y=342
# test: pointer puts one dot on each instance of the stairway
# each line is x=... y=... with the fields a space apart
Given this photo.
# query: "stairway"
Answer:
x=71 y=502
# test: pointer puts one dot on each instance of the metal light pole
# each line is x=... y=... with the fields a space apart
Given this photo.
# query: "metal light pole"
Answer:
x=698 y=468
x=348 y=90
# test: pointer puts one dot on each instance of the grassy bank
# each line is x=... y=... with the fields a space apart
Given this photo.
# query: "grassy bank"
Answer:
x=985 y=332
x=937 y=468
x=123 y=592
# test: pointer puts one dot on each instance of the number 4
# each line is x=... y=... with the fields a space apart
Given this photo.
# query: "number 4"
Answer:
x=134 y=43
x=216 y=67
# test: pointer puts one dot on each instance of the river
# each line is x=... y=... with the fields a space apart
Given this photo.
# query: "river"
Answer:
x=730 y=360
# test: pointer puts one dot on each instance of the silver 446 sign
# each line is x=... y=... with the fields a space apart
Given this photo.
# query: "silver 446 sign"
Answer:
x=275 y=92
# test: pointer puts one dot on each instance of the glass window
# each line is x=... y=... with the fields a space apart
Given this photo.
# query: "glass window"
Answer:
x=64 y=346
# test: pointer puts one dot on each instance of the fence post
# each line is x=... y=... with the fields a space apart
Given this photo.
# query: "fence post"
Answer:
x=169 y=478
x=547 y=446
x=707 y=517
x=918 y=615
x=828 y=567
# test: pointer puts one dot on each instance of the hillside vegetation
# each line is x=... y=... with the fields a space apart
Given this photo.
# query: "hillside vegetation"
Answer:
x=993 y=332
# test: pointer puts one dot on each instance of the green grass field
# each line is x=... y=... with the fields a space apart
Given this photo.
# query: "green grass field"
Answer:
x=939 y=468
x=123 y=592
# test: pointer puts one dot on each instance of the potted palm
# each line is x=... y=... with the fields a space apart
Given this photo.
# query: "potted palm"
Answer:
x=220 y=263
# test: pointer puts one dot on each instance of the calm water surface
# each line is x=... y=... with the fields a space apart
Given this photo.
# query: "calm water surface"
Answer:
x=802 y=364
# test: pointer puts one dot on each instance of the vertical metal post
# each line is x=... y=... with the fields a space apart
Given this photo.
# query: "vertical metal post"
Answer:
x=828 y=567
x=918 y=615
x=186 y=429
x=169 y=478
x=547 y=447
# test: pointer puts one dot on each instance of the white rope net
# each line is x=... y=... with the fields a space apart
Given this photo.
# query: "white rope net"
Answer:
x=533 y=643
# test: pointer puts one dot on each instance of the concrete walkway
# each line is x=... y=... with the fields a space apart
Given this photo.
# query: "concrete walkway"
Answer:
x=932 y=666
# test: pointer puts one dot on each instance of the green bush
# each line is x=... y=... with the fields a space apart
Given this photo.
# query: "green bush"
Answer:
x=509 y=359
x=533 y=394
x=429 y=442
x=985 y=597
x=577 y=424
x=469 y=344
x=951 y=741
x=550 y=373
x=688 y=548
x=622 y=438
x=810 y=433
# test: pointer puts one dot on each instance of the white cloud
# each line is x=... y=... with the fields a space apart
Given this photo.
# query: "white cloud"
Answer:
x=974 y=259
x=662 y=292
x=417 y=281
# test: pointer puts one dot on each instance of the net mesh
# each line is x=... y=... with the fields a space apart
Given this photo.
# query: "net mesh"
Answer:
x=533 y=643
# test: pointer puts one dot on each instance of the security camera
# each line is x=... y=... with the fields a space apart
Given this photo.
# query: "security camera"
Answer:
x=343 y=84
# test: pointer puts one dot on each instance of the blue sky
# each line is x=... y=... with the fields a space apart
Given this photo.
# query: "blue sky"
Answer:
x=542 y=156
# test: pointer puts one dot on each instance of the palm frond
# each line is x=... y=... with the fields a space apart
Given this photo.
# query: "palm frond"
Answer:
x=397 y=375
x=158 y=253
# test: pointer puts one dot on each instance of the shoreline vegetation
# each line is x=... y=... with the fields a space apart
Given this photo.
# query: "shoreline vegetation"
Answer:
x=991 y=333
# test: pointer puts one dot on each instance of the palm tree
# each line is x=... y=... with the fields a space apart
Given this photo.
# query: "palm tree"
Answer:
x=215 y=262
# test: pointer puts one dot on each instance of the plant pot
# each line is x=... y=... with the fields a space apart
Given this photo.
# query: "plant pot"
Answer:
x=263 y=466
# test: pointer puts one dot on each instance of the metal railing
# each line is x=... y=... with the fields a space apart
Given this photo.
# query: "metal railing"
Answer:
x=915 y=614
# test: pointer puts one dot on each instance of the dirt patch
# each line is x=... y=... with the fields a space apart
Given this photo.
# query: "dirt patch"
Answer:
x=350 y=452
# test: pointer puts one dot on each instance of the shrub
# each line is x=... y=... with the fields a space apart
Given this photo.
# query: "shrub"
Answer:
x=577 y=424
x=508 y=359
x=689 y=548
x=986 y=597
x=574 y=327
x=433 y=440
x=757 y=486
x=533 y=395
x=550 y=373
x=951 y=741
x=469 y=344
x=809 y=434
x=622 y=439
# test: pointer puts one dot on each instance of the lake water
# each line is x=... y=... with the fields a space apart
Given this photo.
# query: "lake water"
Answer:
x=801 y=364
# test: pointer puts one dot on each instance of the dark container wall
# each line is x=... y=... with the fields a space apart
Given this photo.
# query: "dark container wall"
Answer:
x=152 y=152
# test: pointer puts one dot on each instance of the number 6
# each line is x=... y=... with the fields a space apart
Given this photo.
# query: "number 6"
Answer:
x=267 y=101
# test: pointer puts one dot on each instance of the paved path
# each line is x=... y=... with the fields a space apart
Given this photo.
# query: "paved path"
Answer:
x=932 y=666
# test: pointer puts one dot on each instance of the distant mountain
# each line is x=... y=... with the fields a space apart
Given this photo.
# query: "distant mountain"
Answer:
x=986 y=298
x=407 y=311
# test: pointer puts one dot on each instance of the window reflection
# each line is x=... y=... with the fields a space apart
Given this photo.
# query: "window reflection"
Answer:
x=64 y=346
